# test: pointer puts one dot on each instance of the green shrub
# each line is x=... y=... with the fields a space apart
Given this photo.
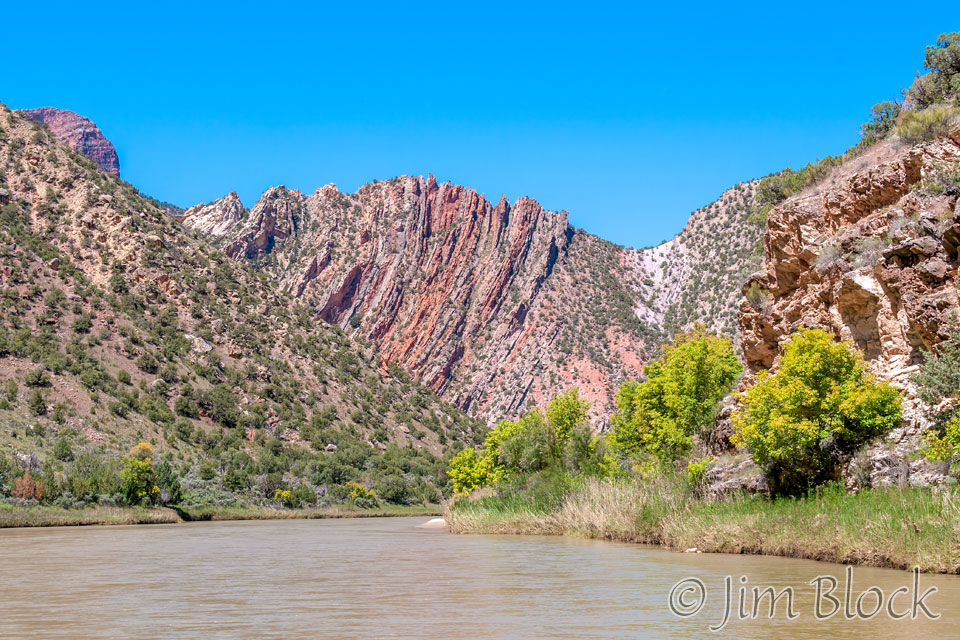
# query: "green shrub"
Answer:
x=697 y=474
x=757 y=295
x=817 y=409
x=946 y=446
x=939 y=375
x=659 y=417
x=82 y=324
x=62 y=450
x=776 y=188
x=919 y=126
x=942 y=180
x=36 y=378
x=147 y=363
x=171 y=491
x=37 y=403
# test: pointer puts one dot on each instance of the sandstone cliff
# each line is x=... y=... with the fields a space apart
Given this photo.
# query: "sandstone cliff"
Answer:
x=79 y=133
x=870 y=254
x=492 y=305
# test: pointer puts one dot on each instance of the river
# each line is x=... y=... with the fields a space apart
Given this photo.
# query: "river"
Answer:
x=383 y=578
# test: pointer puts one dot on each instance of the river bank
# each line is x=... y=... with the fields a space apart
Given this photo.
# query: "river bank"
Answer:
x=48 y=516
x=888 y=528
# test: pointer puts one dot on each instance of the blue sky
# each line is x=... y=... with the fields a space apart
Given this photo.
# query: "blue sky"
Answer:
x=628 y=116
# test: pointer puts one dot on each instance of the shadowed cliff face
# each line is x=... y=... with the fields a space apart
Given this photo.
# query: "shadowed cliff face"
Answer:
x=492 y=305
x=80 y=134
x=870 y=254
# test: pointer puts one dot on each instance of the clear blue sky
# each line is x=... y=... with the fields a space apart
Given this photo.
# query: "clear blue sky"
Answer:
x=629 y=116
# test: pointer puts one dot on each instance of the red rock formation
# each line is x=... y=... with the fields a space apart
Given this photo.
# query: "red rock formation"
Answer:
x=492 y=305
x=80 y=133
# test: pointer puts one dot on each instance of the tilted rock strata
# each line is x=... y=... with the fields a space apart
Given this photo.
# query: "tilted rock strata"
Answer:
x=79 y=133
x=222 y=317
x=493 y=305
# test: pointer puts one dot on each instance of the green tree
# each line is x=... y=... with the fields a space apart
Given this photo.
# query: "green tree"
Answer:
x=942 y=83
x=659 y=416
x=566 y=413
x=883 y=116
x=469 y=471
x=815 y=411
x=138 y=475
x=561 y=441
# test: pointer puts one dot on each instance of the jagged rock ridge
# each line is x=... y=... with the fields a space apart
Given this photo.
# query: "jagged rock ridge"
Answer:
x=85 y=255
x=492 y=305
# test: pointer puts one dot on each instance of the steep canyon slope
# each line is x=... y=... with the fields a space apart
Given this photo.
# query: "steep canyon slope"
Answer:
x=492 y=305
x=871 y=255
x=116 y=319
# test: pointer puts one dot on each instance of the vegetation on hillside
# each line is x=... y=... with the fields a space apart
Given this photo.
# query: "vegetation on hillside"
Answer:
x=116 y=328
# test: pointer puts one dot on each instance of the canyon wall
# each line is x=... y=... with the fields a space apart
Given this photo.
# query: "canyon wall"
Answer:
x=493 y=305
x=79 y=133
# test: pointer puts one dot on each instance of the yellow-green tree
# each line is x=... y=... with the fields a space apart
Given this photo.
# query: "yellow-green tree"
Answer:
x=818 y=407
x=138 y=475
x=562 y=439
x=658 y=417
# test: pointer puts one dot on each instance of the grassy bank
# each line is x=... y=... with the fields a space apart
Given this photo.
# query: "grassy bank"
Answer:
x=883 y=527
x=45 y=516
x=341 y=511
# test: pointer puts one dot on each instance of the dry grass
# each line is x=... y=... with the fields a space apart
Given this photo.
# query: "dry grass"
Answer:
x=43 y=516
x=884 y=528
x=56 y=517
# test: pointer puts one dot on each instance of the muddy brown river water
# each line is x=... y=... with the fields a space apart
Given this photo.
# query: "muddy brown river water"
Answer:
x=383 y=578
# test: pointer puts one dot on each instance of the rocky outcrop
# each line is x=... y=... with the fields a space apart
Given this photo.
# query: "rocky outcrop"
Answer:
x=79 y=133
x=493 y=305
x=870 y=255
x=217 y=218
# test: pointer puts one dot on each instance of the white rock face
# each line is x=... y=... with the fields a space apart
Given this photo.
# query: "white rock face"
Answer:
x=217 y=218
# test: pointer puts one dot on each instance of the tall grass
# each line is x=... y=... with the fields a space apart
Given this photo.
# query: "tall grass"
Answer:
x=899 y=528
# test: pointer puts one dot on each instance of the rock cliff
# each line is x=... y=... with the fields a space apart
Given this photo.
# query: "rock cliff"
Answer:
x=493 y=305
x=870 y=254
x=79 y=133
